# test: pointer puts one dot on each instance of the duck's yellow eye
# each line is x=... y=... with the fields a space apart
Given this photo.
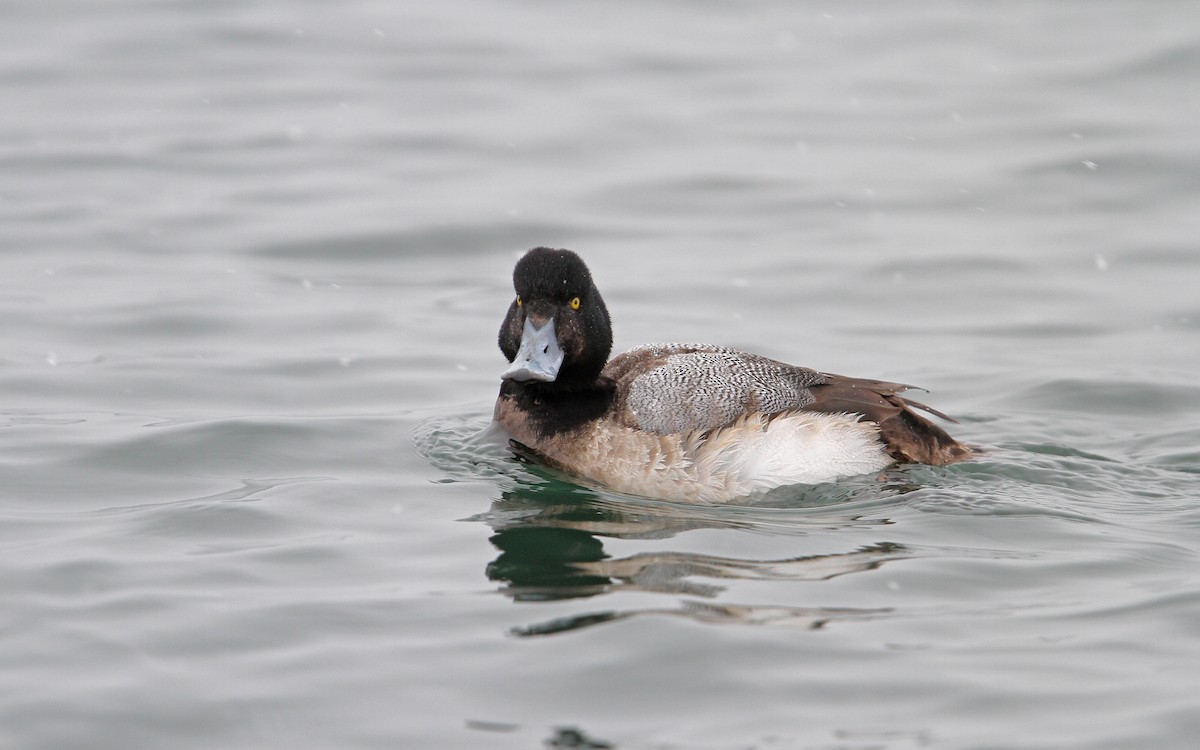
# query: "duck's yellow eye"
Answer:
x=575 y=303
x=518 y=300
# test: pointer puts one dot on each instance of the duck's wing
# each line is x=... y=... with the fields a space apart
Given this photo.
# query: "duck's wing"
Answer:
x=679 y=388
x=839 y=393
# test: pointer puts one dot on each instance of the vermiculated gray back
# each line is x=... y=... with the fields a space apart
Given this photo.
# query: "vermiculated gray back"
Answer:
x=686 y=387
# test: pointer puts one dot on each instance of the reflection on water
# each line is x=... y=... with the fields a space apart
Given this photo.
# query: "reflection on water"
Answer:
x=557 y=552
x=549 y=562
x=562 y=738
x=805 y=618
x=570 y=737
x=550 y=539
x=548 y=557
x=550 y=534
x=560 y=555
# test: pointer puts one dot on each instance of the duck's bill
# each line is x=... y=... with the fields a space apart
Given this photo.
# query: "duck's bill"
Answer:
x=539 y=356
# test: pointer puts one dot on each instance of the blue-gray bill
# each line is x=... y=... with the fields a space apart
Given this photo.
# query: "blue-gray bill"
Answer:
x=538 y=357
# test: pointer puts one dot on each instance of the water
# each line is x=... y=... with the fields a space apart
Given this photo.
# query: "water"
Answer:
x=254 y=260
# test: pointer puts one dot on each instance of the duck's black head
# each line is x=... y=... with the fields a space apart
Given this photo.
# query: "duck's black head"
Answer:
x=557 y=332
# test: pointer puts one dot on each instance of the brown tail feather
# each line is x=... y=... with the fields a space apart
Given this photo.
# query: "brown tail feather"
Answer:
x=909 y=437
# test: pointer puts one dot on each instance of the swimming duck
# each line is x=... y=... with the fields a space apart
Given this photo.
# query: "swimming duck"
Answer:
x=686 y=422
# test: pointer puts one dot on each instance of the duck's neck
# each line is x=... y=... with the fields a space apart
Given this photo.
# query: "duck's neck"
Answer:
x=556 y=408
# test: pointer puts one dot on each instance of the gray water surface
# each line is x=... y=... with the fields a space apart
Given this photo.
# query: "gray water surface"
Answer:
x=253 y=258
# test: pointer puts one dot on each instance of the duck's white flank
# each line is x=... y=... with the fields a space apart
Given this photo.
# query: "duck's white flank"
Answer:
x=752 y=454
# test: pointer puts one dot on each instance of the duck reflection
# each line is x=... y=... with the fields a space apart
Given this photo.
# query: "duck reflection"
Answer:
x=551 y=536
x=556 y=563
x=548 y=563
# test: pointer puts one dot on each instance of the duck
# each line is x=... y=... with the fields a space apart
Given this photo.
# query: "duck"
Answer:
x=694 y=423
